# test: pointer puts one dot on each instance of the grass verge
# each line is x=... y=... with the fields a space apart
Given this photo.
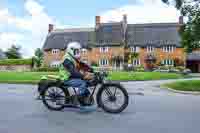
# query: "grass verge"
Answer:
x=189 y=85
x=34 y=77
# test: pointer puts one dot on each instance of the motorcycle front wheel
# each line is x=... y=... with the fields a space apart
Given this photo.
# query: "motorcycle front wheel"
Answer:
x=112 y=98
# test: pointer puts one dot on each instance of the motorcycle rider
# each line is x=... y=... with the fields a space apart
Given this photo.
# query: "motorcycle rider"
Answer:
x=71 y=76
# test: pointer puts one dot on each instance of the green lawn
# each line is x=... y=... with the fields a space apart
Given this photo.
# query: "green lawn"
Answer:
x=34 y=77
x=190 y=85
x=143 y=76
x=22 y=77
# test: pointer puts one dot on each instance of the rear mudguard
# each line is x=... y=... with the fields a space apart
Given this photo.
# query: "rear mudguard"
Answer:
x=44 y=83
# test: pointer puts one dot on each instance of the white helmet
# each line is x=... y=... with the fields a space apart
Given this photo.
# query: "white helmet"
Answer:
x=74 y=48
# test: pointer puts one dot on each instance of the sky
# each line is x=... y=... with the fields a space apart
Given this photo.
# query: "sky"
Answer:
x=25 y=22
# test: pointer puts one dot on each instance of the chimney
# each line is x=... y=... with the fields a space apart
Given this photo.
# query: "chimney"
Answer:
x=124 y=22
x=181 y=20
x=125 y=18
x=97 y=20
x=51 y=27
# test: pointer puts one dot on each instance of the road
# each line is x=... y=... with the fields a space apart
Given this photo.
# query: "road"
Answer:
x=151 y=110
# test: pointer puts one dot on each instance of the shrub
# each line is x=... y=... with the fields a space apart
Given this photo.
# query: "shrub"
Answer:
x=94 y=64
x=163 y=67
x=180 y=68
x=178 y=62
x=16 y=62
x=139 y=69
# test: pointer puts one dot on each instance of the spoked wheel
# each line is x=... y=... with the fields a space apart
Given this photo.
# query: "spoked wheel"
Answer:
x=113 y=98
x=54 y=98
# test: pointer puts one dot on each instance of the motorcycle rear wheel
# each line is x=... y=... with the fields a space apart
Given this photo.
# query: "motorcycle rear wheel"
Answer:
x=54 y=93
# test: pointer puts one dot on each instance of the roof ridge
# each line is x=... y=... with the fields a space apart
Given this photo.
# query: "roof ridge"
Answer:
x=77 y=29
x=155 y=24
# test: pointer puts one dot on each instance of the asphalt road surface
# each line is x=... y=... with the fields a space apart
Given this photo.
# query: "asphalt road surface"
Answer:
x=151 y=110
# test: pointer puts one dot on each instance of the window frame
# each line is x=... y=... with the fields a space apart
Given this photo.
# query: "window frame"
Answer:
x=83 y=51
x=103 y=62
x=168 y=62
x=55 y=51
x=150 y=48
x=103 y=49
x=55 y=64
x=135 y=49
x=136 y=62
x=168 y=48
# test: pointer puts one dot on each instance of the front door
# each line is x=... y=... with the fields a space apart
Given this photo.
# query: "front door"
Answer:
x=193 y=66
x=117 y=64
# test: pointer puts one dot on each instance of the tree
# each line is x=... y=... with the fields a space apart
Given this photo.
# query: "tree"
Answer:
x=178 y=3
x=190 y=31
x=2 y=55
x=13 y=52
x=38 y=58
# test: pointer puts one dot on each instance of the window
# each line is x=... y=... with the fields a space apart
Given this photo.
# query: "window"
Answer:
x=136 y=62
x=168 y=48
x=85 y=61
x=135 y=49
x=150 y=48
x=103 y=62
x=55 y=64
x=103 y=49
x=107 y=28
x=55 y=51
x=168 y=62
x=84 y=51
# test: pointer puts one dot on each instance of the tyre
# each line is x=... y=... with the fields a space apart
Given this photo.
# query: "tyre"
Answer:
x=108 y=98
x=54 y=97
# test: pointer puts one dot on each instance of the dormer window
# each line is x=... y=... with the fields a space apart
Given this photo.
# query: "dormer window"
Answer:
x=168 y=48
x=103 y=49
x=135 y=49
x=150 y=49
x=55 y=51
x=84 y=51
x=107 y=28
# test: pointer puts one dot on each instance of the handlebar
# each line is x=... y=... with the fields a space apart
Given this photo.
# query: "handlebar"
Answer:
x=101 y=74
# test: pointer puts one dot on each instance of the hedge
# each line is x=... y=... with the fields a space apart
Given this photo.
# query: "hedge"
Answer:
x=45 y=69
x=16 y=62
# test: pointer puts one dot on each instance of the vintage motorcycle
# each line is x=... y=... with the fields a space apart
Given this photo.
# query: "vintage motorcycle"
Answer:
x=111 y=97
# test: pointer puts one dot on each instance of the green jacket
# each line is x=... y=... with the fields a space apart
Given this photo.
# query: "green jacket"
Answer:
x=63 y=73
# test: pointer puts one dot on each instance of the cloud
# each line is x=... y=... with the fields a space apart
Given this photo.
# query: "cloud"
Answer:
x=149 y=11
x=34 y=24
x=6 y=18
x=7 y=39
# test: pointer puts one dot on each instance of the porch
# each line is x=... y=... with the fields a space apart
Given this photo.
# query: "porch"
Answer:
x=193 y=62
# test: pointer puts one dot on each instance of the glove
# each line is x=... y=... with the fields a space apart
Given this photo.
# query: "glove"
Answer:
x=88 y=76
